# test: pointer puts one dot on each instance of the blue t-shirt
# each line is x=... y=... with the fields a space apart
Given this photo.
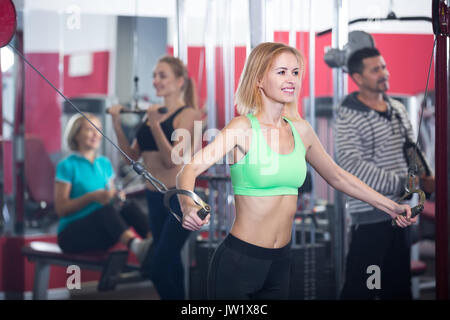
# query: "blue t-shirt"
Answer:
x=84 y=176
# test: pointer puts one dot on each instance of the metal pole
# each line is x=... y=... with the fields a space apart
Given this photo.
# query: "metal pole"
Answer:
x=442 y=176
x=339 y=38
x=19 y=146
x=312 y=86
x=210 y=55
x=257 y=18
x=228 y=63
x=268 y=14
x=448 y=164
x=134 y=105
x=180 y=47
x=228 y=66
x=292 y=28
x=180 y=51
x=2 y=177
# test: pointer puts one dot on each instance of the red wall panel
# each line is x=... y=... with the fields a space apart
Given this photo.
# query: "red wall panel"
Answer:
x=407 y=58
x=197 y=71
x=240 y=54
x=95 y=83
x=42 y=106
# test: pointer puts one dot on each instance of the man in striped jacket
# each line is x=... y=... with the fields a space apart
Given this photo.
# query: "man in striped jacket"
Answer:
x=370 y=133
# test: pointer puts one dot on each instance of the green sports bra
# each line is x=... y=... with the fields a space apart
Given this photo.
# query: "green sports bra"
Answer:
x=263 y=172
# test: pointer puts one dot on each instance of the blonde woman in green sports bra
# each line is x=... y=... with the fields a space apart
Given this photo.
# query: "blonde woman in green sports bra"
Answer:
x=270 y=145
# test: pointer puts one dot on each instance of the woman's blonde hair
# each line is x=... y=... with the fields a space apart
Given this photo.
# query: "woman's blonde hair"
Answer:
x=180 y=71
x=73 y=128
x=248 y=96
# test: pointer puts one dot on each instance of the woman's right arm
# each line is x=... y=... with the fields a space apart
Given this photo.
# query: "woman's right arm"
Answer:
x=230 y=137
x=132 y=151
x=65 y=206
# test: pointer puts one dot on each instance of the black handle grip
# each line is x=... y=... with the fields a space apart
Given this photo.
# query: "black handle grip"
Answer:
x=139 y=168
x=415 y=211
x=202 y=213
x=140 y=111
x=137 y=111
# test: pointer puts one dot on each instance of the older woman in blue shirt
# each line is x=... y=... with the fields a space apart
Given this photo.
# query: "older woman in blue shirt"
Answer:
x=84 y=197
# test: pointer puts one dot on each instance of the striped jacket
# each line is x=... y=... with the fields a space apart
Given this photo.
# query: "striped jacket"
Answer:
x=369 y=145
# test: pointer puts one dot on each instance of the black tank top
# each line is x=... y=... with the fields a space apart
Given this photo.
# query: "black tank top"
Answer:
x=144 y=134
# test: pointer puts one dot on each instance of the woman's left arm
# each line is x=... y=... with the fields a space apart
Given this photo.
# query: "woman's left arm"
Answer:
x=345 y=182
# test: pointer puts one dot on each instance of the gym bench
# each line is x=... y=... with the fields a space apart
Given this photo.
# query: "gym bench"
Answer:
x=112 y=265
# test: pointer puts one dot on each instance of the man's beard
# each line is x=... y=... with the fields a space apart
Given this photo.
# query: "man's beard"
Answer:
x=382 y=86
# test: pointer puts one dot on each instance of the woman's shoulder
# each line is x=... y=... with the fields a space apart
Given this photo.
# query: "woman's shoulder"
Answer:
x=189 y=113
x=67 y=160
x=239 y=122
x=66 y=165
x=303 y=127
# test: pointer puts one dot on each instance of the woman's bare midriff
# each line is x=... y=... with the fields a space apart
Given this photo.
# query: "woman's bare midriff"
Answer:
x=154 y=164
x=264 y=221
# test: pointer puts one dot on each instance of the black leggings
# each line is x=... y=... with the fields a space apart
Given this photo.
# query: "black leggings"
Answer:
x=388 y=248
x=102 y=228
x=240 y=270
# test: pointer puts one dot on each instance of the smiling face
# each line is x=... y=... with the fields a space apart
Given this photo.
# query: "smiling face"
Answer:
x=88 y=138
x=374 y=76
x=281 y=82
x=165 y=81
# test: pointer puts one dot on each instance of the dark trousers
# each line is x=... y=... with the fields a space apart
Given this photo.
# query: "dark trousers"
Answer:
x=384 y=246
x=243 y=271
x=102 y=228
x=165 y=267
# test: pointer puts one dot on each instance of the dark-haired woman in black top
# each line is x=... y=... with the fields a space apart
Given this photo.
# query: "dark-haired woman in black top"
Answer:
x=163 y=157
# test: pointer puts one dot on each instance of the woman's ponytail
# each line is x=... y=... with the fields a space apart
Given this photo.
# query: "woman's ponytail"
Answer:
x=190 y=94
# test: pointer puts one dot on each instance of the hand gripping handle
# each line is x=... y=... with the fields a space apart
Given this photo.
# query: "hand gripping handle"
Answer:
x=418 y=208
x=202 y=213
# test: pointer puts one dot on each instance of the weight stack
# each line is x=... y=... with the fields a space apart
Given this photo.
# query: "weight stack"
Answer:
x=312 y=276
